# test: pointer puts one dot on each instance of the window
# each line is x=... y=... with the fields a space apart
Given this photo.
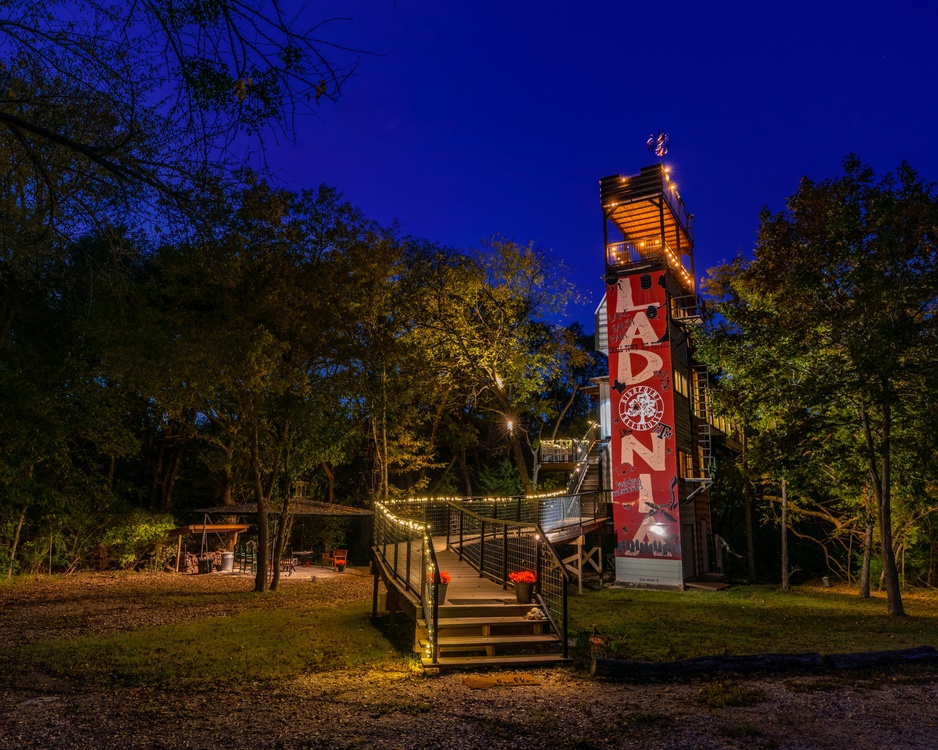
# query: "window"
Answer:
x=685 y=466
x=680 y=383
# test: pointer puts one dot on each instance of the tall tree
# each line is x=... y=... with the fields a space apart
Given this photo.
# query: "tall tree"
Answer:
x=490 y=313
x=834 y=317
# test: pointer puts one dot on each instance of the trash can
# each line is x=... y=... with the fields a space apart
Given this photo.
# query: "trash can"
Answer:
x=227 y=562
x=206 y=564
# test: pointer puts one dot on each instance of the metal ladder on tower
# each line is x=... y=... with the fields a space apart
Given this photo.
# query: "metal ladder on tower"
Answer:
x=704 y=436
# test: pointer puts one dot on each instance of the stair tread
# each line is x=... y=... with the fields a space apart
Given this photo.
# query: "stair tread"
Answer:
x=484 y=640
x=462 y=622
x=464 y=662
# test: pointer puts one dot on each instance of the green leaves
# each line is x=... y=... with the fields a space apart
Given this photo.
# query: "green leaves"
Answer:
x=829 y=330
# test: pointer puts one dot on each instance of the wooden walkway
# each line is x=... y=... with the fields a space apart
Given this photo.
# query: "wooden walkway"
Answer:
x=480 y=624
x=466 y=586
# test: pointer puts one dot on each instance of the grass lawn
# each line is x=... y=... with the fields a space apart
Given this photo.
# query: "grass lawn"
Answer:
x=667 y=626
x=201 y=630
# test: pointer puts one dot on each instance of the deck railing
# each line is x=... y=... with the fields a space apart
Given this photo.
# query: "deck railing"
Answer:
x=498 y=547
x=553 y=513
x=497 y=536
x=403 y=541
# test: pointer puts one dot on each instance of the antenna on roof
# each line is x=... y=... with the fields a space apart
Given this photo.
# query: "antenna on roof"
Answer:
x=658 y=144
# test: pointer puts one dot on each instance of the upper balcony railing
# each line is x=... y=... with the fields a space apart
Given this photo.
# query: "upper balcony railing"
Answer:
x=623 y=255
x=563 y=451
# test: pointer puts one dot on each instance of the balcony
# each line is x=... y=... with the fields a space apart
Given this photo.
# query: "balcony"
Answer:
x=621 y=256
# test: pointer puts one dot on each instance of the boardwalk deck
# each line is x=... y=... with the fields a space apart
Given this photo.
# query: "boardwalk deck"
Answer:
x=466 y=585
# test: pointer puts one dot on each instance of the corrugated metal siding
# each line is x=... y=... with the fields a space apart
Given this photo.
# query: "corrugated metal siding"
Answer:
x=602 y=325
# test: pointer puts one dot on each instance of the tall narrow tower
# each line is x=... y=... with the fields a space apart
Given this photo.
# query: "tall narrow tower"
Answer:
x=656 y=425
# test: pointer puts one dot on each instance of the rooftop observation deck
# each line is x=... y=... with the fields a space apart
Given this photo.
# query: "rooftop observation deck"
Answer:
x=655 y=227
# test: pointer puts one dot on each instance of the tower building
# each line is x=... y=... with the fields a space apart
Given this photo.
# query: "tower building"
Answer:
x=654 y=407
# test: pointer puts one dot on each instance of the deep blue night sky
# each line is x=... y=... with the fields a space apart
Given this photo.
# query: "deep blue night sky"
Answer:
x=483 y=118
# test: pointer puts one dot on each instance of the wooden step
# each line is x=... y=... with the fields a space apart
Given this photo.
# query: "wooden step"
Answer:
x=479 y=622
x=491 y=640
x=477 y=662
x=448 y=611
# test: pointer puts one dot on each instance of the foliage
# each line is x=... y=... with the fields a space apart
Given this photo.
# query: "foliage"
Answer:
x=825 y=339
x=137 y=537
x=133 y=104
x=522 y=576
x=500 y=480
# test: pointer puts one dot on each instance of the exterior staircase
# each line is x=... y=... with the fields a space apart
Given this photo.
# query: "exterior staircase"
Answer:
x=589 y=479
x=491 y=635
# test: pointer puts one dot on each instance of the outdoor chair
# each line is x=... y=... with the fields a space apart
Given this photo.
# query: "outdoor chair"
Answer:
x=287 y=564
x=337 y=558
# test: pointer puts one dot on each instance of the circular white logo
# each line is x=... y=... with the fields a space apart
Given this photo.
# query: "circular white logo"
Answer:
x=641 y=407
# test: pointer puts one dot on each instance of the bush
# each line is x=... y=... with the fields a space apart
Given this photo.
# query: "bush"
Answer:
x=139 y=538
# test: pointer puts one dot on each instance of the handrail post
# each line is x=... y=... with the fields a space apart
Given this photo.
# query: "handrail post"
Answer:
x=434 y=642
x=566 y=645
x=407 y=569
x=482 y=550
x=537 y=565
x=505 y=557
x=449 y=516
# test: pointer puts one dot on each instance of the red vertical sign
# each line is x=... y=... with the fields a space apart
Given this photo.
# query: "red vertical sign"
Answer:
x=644 y=457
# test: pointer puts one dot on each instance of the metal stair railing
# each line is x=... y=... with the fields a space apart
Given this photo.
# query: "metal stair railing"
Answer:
x=497 y=546
x=591 y=439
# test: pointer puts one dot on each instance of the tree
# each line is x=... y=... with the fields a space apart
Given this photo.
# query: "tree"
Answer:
x=135 y=103
x=489 y=316
x=834 y=319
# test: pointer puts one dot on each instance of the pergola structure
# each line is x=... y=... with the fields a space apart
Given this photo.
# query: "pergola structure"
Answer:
x=204 y=529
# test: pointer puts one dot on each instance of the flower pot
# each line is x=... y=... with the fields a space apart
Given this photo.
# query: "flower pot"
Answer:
x=523 y=592
x=441 y=593
x=340 y=567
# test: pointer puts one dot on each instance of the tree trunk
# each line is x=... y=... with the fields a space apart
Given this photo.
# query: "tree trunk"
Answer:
x=521 y=463
x=747 y=509
x=330 y=482
x=881 y=478
x=260 y=579
x=16 y=540
x=576 y=389
x=864 y=590
x=786 y=582
x=465 y=471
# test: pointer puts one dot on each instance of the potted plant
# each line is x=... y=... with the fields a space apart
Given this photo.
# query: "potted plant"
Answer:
x=524 y=581
x=442 y=580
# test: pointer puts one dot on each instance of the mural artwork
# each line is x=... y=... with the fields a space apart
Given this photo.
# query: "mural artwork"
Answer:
x=644 y=457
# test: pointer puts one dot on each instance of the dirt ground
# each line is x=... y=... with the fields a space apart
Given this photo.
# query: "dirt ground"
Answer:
x=403 y=708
